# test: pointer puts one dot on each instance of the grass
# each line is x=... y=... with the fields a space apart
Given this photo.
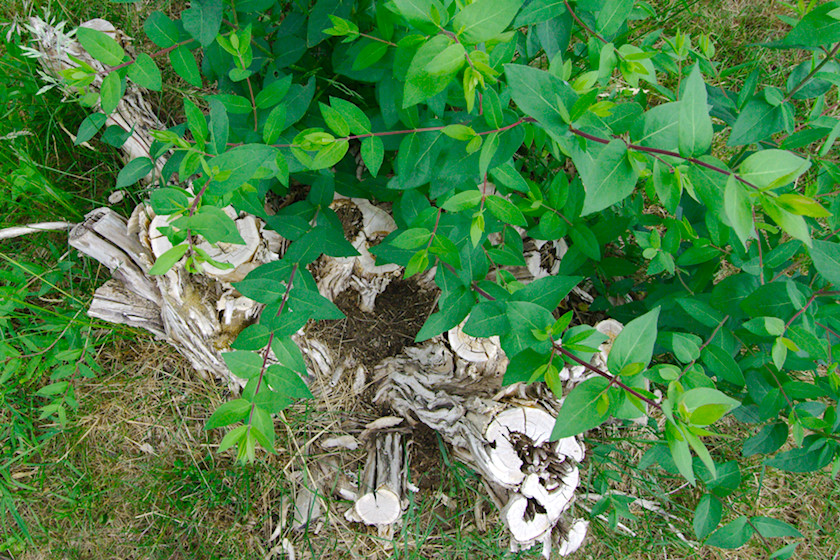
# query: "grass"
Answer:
x=133 y=474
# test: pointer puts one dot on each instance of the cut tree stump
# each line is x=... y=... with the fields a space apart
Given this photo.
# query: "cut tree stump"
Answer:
x=452 y=383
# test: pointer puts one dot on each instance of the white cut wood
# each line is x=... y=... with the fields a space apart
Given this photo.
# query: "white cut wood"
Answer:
x=382 y=481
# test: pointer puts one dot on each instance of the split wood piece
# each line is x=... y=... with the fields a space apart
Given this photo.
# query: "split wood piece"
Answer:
x=198 y=315
x=531 y=479
x=361 y=273
x=383 y=482
x=133 y=113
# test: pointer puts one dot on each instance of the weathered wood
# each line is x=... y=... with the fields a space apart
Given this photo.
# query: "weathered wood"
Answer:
x=383 y=482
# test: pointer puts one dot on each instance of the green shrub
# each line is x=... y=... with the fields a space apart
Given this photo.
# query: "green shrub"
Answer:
x=701 y=209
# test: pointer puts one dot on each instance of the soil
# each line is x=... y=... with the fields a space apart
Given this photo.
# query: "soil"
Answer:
x=371 y=337
x=351 y=219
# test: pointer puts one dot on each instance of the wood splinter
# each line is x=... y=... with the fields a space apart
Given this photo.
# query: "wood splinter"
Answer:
x=383 y=482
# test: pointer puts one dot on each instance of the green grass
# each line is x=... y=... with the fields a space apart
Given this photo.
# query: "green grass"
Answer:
x=133 y=474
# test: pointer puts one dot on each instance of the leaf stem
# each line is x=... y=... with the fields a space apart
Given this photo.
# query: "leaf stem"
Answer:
x=646 y=149
x=270 y=340
x=161 y=52
x=810 y=74
x=579 y=22
x=611 y=378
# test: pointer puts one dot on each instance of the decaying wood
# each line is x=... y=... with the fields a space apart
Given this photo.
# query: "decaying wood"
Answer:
x=54 y=49
x=381 y=489
x=504 y=437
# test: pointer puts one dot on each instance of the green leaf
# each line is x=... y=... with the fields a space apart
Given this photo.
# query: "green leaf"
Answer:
x=287 y=382
x=792 y=224
x=274 y=125
x=707 y=515
x=134 y=170
x=757 y=121
x=448 y=61
x=612 y=16
x=634 y=344
x=413 y=238
x=734 y=534
x=739 y=210
x=769 y=439
x=370 y=55
x=484 y=19
x=505 y=211
x=373 y=152
x=329 y=156
x=579 y=411
x=769 y=169
x=228 y=413
x=274 y=93
x=169 y=201
x=288 y=353
x=243 y=364
x=219 y=126
x=242 y=162
x=335 y=121
x=161 y=30
x=704 y=406
x=262 y=290
x=168 y=259
x=145 y=73
x=548 y=292
x=609 y=179
x=536 y=92
x=313 y=304
x=232 y=438
x=183 y=62
x=111 y=92
x=487 y=319
x=453 y=309
x=100 y=46
x=89 y=127
x=462 y=201
x=720 y=363
x=419 y=12
x=785 y=552
x=802 y=459
x=817 y=28
x=585 y=241
x=211 y=223
x=826 y=257
x=202 y=20
x=196 y=122
x=695 y=122
x=507 y=176
x=773 y=528
x=253 y=337
x=355 y=117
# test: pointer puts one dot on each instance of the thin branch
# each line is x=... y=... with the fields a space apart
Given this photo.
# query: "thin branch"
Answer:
x=161 y=52
x=17 y=231
x=270 y=340
x=612 y=379
x=648 y=150
x=810 y=74
x=579 y=22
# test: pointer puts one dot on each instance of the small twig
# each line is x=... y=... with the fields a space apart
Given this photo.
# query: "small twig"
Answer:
x=816 y=69
x=612 y=379
x=17 y=231
x=579 y=22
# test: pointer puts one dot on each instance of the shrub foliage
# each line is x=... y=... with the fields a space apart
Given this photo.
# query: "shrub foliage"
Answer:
x=702 y=214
